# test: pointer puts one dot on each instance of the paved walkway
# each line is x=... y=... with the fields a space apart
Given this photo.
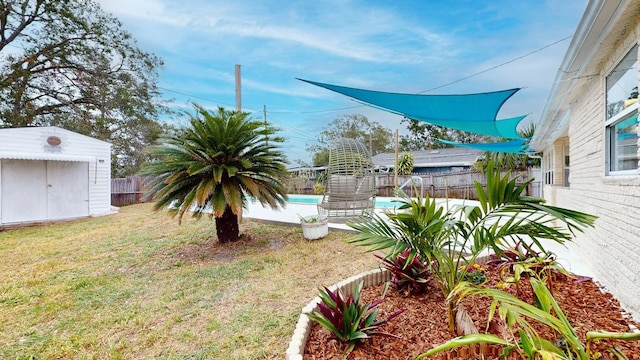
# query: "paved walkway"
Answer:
x=291 y=216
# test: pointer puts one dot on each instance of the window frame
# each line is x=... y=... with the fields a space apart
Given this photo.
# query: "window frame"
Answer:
x=548 y=167
x=611 y=144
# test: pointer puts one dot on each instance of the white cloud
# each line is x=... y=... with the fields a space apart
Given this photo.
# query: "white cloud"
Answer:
x=390 y=46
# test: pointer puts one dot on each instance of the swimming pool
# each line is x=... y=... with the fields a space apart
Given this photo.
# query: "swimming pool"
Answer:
x=381 y=202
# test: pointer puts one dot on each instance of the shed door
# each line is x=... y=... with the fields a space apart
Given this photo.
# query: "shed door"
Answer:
x=67 y=189
x=38 y=190
x=24 y=190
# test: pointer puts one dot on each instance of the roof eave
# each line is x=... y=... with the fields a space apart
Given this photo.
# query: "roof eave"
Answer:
x=596 y=23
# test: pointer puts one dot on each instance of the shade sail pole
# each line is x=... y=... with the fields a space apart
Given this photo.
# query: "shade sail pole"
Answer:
x=395 y=165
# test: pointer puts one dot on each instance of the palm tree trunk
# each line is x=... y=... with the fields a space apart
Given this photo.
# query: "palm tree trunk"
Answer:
x=227 y=226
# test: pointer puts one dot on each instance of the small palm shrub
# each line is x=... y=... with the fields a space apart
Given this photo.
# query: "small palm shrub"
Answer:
x=451 y=238
x=214 y=166
x=531 y=345
x=350 y=321
x=409 y=274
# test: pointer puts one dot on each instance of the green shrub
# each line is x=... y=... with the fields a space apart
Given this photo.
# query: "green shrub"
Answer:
x=348 y=320
x=410 y=274
x=405 y=163
x=450 y=239
x=531 y=345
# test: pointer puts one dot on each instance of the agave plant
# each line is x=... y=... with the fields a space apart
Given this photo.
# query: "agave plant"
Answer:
x=409 y=274
x=449 y=239
x=531 y=344
x=348 y=320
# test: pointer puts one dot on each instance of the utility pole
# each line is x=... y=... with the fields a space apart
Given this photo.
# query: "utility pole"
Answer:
x=238 y=109
x=238 y=90
x=266 y=124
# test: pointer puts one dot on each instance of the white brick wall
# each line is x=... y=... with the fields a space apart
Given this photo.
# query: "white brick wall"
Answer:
x=612 y=248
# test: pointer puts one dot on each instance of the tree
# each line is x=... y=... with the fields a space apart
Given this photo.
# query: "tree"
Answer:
x=353 y=126
x=215 y=165
x=68 y=63
x=510 y=161
x=422 y=136
x=406 y=163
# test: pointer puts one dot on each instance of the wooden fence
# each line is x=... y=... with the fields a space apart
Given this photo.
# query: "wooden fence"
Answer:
x=127 y=191
x=458 y=185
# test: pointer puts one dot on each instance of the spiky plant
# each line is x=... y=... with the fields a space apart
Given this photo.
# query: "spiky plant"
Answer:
x=409 y=274
x=452 y=238
x=350 y=321
x=519 y=316
x=215 y=165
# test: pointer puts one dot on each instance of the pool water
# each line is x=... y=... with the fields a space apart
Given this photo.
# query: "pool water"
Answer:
x=381 y=202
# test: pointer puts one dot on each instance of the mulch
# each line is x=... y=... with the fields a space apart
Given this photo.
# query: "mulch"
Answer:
x=423 y=324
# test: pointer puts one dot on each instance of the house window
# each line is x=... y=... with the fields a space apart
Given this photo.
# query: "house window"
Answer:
x=548 y=167
x=566 y=165
x=622 y=116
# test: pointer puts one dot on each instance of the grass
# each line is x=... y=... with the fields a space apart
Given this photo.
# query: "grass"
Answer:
x=136 y=285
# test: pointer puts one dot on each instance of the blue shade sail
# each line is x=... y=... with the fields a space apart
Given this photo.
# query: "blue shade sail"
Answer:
x=514 y=146
x=467 y=112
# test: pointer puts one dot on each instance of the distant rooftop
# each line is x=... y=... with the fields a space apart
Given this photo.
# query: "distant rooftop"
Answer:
x=433 y=158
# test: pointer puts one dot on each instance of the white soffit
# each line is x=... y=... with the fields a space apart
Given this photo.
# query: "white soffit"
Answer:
x=19 y=155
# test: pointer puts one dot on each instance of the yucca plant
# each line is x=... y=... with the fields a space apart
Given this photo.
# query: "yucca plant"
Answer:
x=449 y=239
x=409 y=274
x=350 y=321
x=518 y=314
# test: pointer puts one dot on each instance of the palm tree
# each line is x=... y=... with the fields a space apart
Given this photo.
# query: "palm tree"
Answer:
x=509 y=161
x=215 y=165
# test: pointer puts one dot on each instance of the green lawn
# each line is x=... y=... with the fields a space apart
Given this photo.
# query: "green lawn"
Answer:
x=137 y=285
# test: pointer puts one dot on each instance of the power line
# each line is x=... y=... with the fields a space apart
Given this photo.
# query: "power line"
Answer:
x=359 y=106
x=497 y=66
x=194 y=96
x=316 y=111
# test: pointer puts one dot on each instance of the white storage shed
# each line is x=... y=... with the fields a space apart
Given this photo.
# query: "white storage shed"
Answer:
x=49 y=173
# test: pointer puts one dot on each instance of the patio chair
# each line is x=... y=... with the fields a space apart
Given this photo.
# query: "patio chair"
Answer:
x=350 y=188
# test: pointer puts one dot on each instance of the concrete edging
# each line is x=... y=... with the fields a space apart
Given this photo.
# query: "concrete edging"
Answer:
x=304 y=324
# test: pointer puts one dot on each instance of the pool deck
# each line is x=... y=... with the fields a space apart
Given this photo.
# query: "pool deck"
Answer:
x=291 y=216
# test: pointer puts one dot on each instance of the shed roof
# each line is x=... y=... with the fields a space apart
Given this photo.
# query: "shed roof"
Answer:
x=46 y=129
x=22 y=155
x=433 y=158
x=50 y=143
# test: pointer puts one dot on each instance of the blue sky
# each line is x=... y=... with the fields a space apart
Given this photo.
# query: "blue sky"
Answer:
x=398 y=46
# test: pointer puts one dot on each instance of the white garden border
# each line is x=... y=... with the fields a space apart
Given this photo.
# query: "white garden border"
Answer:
x=304 y=324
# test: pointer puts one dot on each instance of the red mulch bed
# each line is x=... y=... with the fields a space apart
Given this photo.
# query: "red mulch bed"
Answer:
x=424 y=323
